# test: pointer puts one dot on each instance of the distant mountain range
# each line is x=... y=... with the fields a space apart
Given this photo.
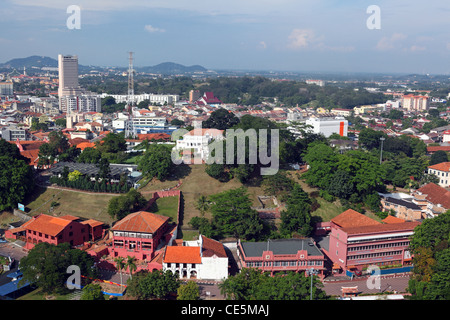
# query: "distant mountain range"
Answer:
x=42 y=61
x=33 y=61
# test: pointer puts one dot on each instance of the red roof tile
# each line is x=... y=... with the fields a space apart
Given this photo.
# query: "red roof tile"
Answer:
x=382 y=228
x=141 y=221
x=392 y=219
x=436 y=194
x=47 y=224
x=443 y=166
x=351 y=218
x=212 y=247
x=182 y=255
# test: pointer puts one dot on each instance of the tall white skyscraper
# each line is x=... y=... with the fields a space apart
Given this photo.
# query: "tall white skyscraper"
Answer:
x=68 y=75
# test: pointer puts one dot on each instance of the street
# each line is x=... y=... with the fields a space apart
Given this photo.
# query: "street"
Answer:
x=387 y=283
x=209 y=289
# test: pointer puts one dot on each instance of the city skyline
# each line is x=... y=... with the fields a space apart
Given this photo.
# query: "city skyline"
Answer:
x=297 y=36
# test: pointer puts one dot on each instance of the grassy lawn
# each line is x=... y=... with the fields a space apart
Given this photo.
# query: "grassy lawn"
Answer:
x=189 y=235
x=39 y=295
x=70 y=202
x=167 y=206
x=327 y=210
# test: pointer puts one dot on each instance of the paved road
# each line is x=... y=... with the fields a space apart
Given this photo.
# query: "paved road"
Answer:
x=13 y=250
x=387 y=283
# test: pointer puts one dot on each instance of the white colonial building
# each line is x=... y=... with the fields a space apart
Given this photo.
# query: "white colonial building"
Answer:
x=197 y=141
x=199 y=259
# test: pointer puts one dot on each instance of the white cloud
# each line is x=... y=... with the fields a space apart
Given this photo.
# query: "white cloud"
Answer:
x=390 y=43
x=152 y=29
x=306 y=38
x=263 y=44
x=301 y=38
x=415 y=48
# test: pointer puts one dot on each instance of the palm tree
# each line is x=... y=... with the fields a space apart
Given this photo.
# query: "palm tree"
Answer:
x=202 y=204
x=131 y=264
x=120 y=266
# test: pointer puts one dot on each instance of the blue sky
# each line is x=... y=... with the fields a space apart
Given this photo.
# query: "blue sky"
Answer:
x=288 y=35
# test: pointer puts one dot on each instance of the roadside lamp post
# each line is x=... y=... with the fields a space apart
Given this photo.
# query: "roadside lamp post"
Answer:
x=381 y=153
x=311 y=272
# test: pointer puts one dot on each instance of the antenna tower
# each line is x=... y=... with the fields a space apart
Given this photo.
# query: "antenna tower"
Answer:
x=130 y=98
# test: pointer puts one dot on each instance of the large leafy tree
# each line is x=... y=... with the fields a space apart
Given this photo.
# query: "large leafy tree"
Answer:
x=322 y=160
x=46 y=265
x=233 y=215
x=113 y=143
x=221 y=119
x=297 y=217
x=92 y=291
x=119 y=207
x=156 y=162
x=90 y=155
x=150 y=285
x=188 y=291
x=438 y=157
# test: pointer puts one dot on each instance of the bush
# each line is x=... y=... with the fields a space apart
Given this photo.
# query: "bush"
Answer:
x=326 y=196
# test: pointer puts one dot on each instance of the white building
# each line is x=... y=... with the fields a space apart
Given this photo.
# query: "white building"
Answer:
x=446 y=136
x=81 y=103
x=197 y=140
x=201 y=259
x=153 y=98
x=441 y=170
x=6 y=88
x=328 y=126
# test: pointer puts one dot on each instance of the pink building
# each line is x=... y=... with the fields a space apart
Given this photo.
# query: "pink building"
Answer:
x=56 y=230
x=139 y=235
x=298 y=255
x=357 y=241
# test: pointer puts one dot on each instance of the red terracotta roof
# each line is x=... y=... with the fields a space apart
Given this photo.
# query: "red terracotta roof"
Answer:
x=443 y=166
x=92 y=222
x=212 y=247
x=84 y=145
x=351 y=218
x=155 y=136
x=182 y=255
x=141 y=221
x=33 y=155
x=382 y=228
x=392 y=219
x=437 y=148
x=47 y=224
x=436 y=194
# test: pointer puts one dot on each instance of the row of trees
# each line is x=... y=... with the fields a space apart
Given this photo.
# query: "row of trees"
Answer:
x=76 y=180
x=252 y=284
x=243 y=90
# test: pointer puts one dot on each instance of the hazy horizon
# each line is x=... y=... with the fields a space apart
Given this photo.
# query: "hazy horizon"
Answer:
x=322 y=36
